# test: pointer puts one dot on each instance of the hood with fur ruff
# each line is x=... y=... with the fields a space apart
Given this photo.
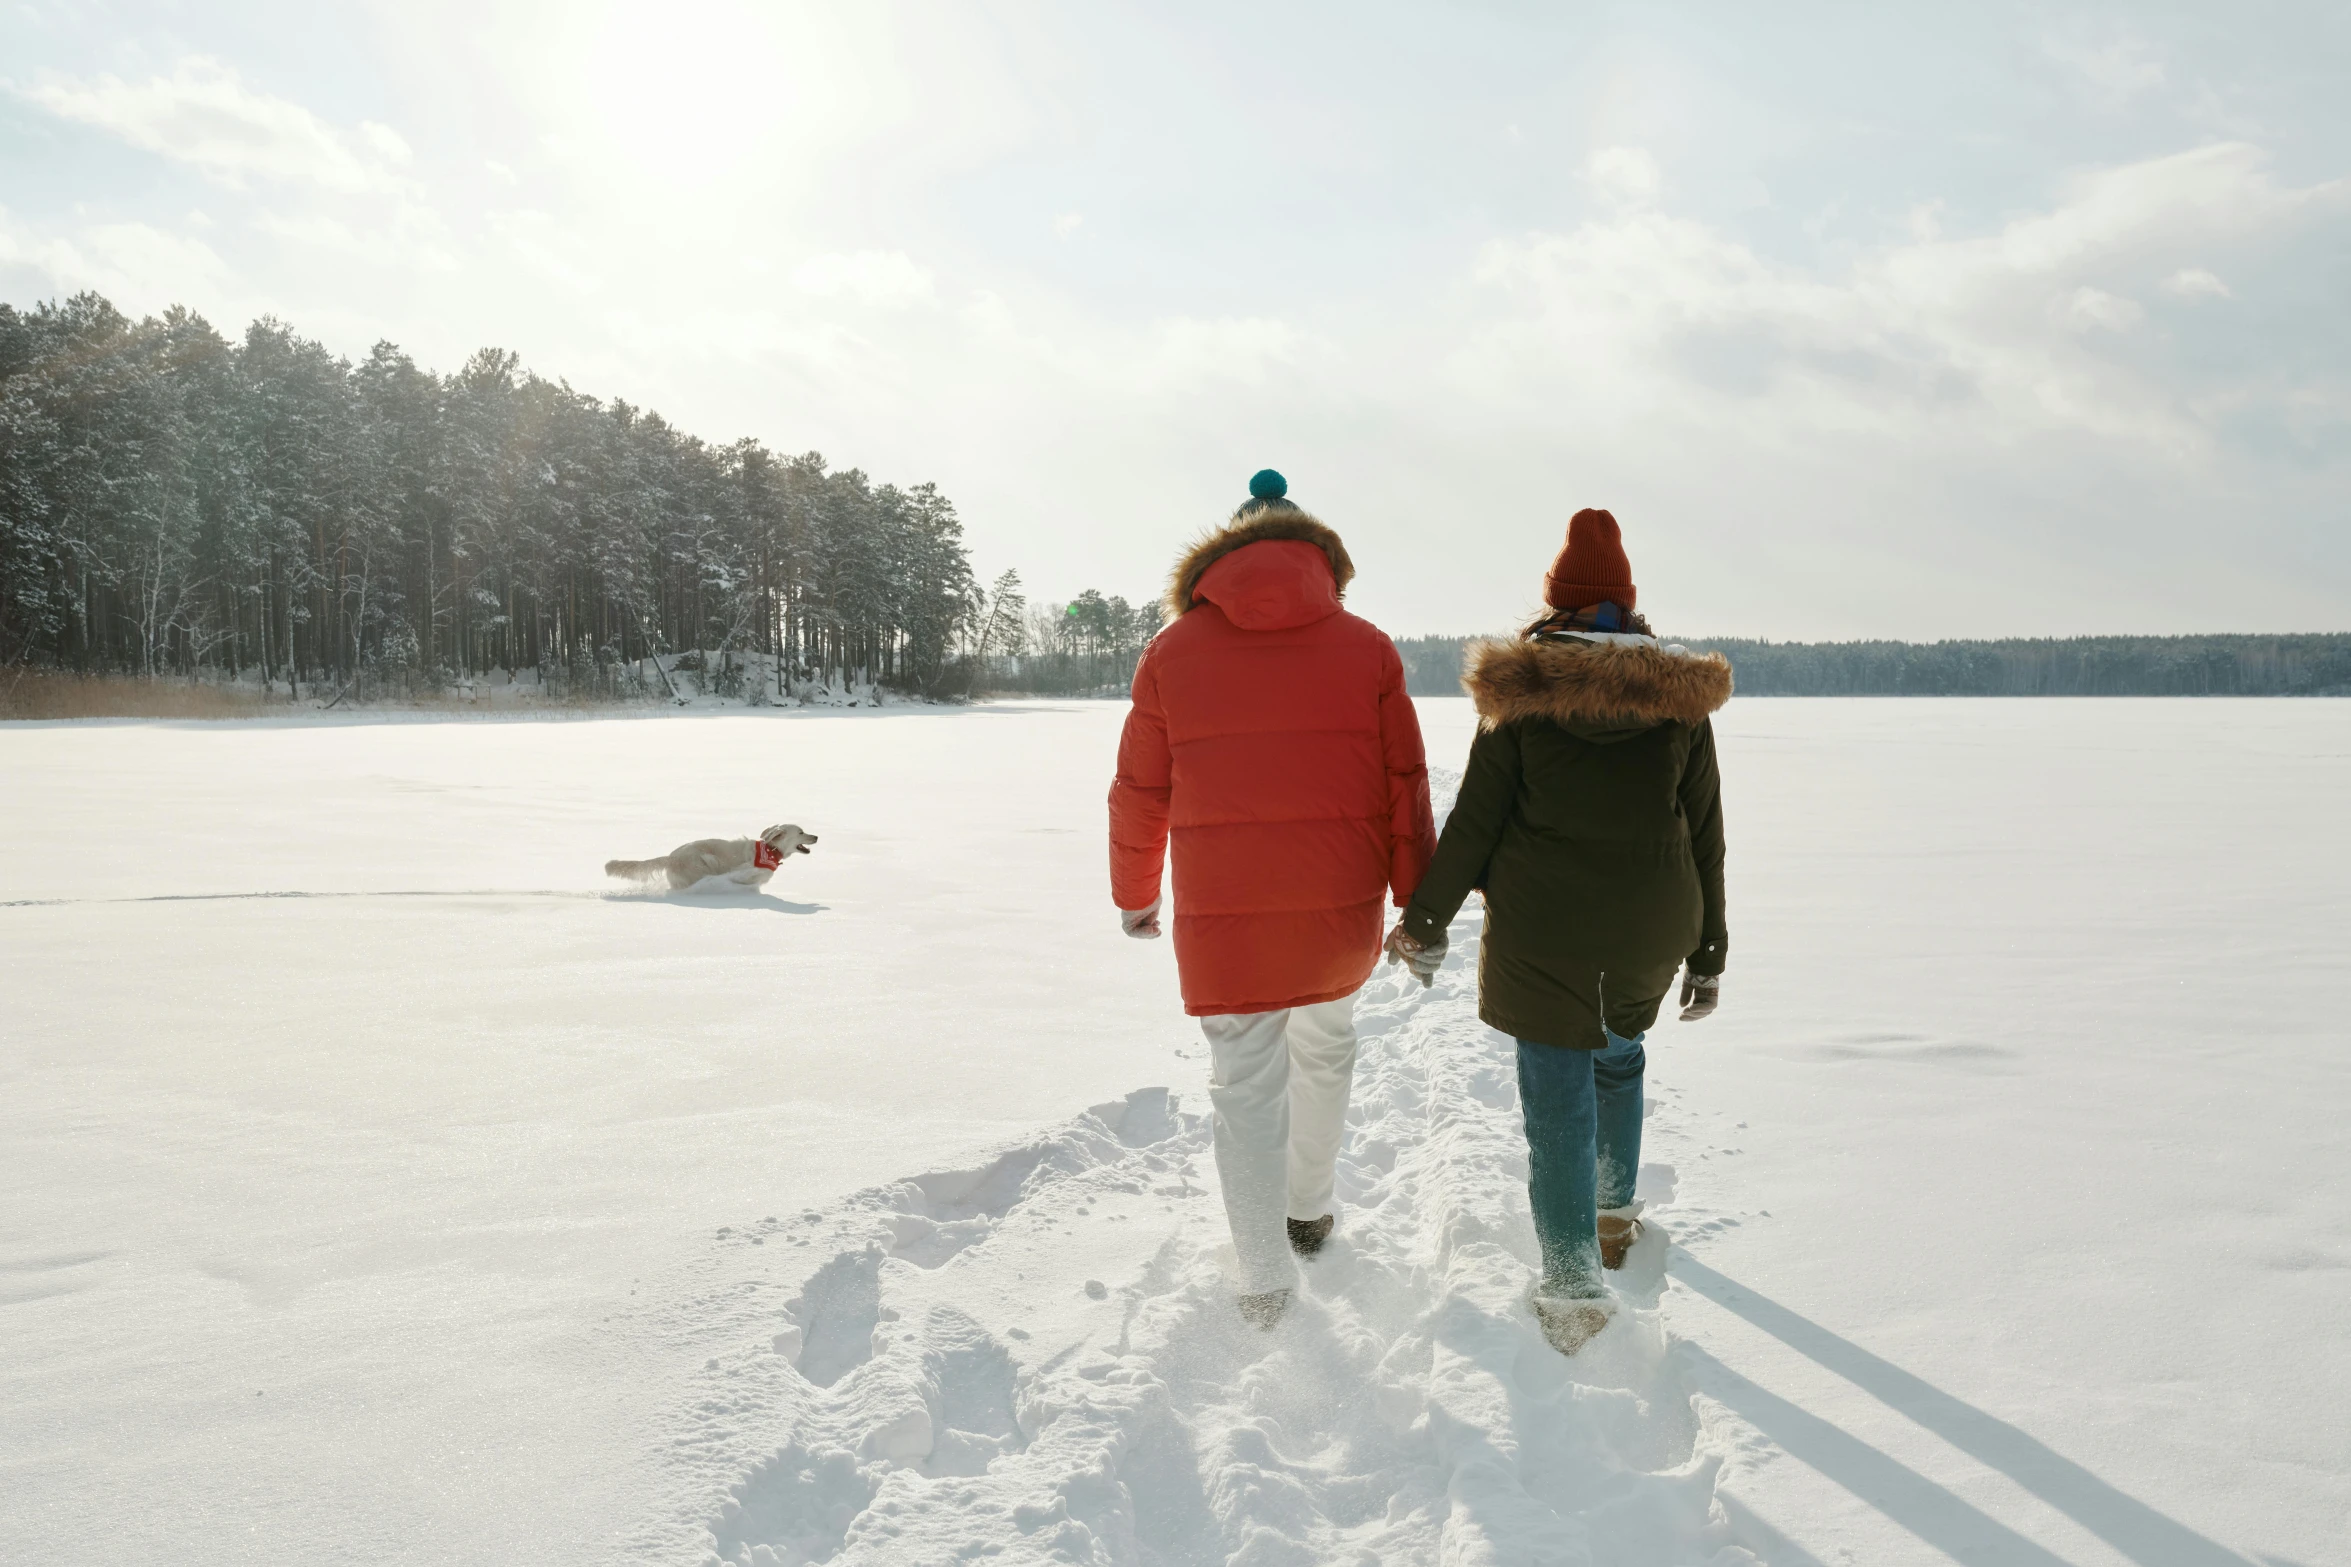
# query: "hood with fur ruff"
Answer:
x=1592 y=684
x=1272 y=522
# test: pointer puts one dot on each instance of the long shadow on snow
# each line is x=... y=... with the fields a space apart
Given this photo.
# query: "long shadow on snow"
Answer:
x=740 y=902
x=1920 y=1505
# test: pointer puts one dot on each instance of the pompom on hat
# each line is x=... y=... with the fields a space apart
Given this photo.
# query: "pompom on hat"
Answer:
x=1268 y=491
x=1592 y=569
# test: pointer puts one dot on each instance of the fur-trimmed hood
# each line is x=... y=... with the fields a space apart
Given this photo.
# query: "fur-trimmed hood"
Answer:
x=1592 y=686
x=1271 y=522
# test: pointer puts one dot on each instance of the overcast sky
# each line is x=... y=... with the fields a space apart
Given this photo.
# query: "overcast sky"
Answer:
x=1970 y=320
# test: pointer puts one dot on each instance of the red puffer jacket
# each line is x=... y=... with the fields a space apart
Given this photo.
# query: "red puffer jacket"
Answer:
x=1271 y=739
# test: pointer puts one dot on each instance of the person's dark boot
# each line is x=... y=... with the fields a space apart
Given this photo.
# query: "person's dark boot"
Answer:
x=1263 y=1311
x=1307 y=1235
x=1619 y=1228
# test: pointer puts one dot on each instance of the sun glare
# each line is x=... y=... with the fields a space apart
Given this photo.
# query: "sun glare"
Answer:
x=703 y=93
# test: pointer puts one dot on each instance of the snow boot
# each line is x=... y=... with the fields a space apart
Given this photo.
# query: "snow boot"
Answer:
x=1619 y=1228
x=1307 y=1235
x=1569 y=1324
x=1263 y=1311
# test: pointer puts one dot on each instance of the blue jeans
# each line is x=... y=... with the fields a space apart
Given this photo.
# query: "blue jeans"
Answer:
x=1583 y=1120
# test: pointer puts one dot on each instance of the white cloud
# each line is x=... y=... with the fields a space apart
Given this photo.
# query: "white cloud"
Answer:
x=341 y=192
x=1624 y=176
x=1194 y=351
x=546 y=250
x=1096 y=366
x=1642 y=313
x=139 y=266
x=2094 y=309
x=1067 y=224
x=2113 y=69
x=2196 y=283
x=412 y=240
x=385 y=141
x=203 y=115
x=873 y=277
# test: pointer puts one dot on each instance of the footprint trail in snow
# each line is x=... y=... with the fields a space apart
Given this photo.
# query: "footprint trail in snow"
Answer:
x=1039 y=1360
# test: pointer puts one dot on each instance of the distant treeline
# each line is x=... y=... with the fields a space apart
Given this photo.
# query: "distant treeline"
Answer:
x=2316 y=665
x=1087 y=647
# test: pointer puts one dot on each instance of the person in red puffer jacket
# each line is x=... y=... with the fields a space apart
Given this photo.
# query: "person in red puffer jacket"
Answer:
x=1272 y=746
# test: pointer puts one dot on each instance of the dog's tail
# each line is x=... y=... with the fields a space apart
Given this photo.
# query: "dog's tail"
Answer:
x=636 y=870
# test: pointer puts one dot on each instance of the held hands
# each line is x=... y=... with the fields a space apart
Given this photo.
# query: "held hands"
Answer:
x=1142 y=924
x=1700 y=992
x=1423 y=961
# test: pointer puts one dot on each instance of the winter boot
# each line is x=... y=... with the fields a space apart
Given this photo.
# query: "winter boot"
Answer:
x=1619 y=1228
x=1263 y=1311
x=1307 y=1235
x=1569 y=1324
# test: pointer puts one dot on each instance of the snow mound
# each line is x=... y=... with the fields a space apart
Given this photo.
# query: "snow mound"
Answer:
x=1039 y=1359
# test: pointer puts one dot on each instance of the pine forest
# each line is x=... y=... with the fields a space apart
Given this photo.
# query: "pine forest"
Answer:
x=172 y=503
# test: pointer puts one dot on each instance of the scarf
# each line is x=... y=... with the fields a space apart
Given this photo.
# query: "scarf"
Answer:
x=1602 y=616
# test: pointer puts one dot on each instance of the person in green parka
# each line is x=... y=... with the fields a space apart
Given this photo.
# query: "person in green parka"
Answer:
x=1590 y=816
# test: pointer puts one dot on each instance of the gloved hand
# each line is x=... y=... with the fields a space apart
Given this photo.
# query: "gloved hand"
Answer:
x=1423 y=961
x=1142 y=924
x=1700 y=992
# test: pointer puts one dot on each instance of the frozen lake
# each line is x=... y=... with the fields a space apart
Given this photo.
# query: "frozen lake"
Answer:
x=367 y=1164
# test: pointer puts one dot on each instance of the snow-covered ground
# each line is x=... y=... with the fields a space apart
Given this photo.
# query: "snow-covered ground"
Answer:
x=380 y=1187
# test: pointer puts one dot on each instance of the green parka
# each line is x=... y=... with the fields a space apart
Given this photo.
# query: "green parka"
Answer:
x=1591 y=817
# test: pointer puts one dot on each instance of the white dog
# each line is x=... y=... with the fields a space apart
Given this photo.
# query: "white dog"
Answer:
x=736 y=862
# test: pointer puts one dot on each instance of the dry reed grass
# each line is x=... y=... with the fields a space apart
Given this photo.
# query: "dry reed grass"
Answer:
x=36 y=694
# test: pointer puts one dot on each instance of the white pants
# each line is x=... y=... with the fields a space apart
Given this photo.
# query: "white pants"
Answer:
x=1279 y=1082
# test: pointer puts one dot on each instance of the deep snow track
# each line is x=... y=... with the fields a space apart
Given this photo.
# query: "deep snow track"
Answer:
x=1039 y=1360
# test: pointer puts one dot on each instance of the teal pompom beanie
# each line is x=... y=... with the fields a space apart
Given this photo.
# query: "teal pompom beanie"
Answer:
x=1268 y=491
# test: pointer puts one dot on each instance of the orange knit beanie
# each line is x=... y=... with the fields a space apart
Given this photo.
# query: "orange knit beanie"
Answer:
x=1592 y=569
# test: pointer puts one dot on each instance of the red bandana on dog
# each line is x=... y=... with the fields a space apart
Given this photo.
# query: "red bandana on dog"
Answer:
x=763 y=856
